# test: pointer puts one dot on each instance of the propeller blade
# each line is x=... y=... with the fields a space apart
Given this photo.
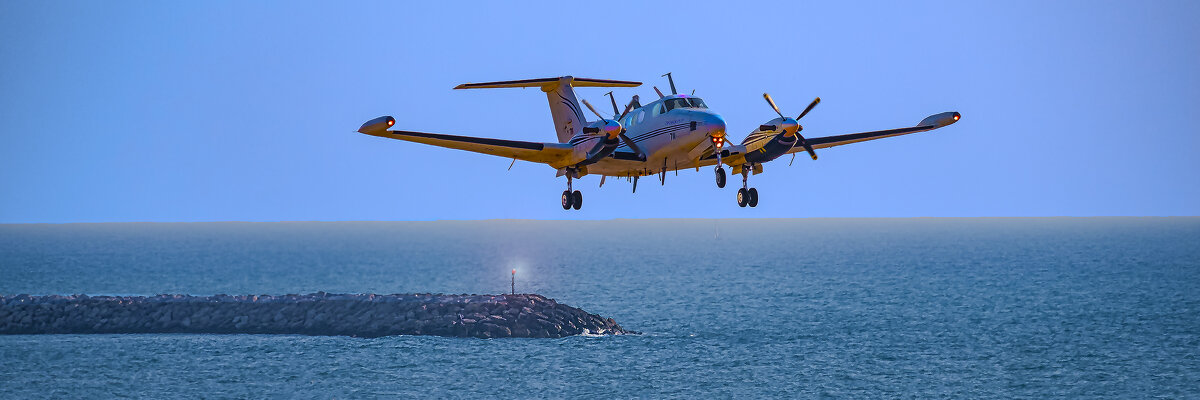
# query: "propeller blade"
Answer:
x=810 y=151
x=807 y=147
x=810 y=107
x=623 y=113
x=660 y=95
x=589 y=106
x=632 y=101
x=633 y=146
x=773 y=107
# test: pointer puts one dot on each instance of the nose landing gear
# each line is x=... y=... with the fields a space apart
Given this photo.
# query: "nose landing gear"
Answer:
x=720 y=171
x=747 y=196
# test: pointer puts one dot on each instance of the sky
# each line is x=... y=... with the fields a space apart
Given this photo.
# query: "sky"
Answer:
x=247 y=111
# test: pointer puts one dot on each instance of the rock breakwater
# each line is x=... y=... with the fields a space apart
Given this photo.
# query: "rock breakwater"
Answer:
x=362 y=315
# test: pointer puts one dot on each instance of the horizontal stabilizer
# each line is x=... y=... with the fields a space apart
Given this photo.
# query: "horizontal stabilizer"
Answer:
x=549 y=82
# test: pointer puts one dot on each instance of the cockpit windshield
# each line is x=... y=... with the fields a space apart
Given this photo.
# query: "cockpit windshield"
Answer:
x=692 y=102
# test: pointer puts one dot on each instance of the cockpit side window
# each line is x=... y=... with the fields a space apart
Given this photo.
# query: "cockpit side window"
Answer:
x=696 y=102
x=658 y=109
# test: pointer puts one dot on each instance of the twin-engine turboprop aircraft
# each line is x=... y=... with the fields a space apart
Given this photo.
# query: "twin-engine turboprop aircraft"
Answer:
x=675 y=132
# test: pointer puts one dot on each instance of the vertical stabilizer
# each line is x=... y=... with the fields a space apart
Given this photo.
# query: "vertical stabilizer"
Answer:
x=564 y=107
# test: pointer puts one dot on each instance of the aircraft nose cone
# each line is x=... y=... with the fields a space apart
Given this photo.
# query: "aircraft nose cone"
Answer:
x=715 y=125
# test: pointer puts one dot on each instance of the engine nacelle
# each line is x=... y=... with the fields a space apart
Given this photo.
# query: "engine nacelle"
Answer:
x=377 y=125
x=777 y=146
x=603 y=148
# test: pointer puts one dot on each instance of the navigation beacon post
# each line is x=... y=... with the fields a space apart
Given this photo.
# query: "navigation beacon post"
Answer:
x=514 y=281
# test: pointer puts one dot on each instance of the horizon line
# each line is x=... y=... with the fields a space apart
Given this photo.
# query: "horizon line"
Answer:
x=585 y=220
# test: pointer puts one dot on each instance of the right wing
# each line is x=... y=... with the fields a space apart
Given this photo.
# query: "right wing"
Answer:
x=547 y=153
x=930 y=123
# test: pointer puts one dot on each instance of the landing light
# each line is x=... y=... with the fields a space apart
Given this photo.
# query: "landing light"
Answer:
x=391 y=122
x=956 y=118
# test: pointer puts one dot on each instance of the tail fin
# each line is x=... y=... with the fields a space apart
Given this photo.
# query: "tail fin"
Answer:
x=564 y=107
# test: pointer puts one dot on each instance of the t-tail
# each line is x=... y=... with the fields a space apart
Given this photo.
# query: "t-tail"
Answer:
x=564 y=106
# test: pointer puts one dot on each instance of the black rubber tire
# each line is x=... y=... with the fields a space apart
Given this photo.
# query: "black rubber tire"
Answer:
x=753 y=197
x=742 y=197
x=576 y=200
x=567 y=199
x=721 y=177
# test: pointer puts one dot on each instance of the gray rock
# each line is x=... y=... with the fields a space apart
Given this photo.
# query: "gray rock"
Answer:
x=321 y=313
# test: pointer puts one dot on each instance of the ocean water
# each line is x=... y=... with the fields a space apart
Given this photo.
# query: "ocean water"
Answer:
x=913 y=308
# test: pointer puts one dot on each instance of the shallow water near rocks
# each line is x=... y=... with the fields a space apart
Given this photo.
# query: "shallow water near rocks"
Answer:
x=1080 y=307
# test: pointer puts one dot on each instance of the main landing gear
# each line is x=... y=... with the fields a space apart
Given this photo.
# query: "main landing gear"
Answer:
x=747 y=197
x=571 y=199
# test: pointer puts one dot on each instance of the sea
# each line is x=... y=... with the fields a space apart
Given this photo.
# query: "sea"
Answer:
x=738 y=308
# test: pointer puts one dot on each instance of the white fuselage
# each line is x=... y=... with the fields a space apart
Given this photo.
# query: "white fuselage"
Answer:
x=673 y=132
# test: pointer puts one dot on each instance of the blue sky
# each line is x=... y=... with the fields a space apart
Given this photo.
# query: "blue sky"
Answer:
x=214 y=111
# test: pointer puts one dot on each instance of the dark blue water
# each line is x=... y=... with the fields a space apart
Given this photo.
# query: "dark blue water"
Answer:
x=1103 y=307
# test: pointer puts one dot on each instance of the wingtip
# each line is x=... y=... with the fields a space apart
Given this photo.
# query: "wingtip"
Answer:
x=940 y=120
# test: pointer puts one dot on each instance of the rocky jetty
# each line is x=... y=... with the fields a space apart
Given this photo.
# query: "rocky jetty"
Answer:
x=362 y=315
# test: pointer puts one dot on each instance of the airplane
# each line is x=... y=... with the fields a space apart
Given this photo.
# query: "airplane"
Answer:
x=674 y=132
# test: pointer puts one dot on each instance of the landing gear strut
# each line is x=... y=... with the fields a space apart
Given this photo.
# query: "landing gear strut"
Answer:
x=720 y=171
x=747 y=196
x=571 y=199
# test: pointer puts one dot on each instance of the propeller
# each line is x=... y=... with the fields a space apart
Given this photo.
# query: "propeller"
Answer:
x=629 y=142
x=611 y=127
x=793 y=126
x=614 y=125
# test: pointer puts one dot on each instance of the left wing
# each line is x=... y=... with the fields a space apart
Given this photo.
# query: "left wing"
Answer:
x=927 y=124
x=548 y=153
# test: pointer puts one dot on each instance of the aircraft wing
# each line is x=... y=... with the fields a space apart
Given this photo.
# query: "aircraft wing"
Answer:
x=927 y=124
x=548 y=153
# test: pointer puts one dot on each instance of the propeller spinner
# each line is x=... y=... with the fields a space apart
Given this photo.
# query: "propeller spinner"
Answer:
x=792 y=126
